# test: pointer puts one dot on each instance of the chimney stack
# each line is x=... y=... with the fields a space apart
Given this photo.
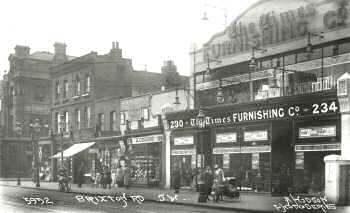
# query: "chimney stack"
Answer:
x=60 y=53
x=169 y=67
x=22 y=51
x=115 y=51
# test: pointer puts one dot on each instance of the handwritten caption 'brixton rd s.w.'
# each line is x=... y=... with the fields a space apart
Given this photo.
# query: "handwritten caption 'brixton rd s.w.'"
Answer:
x=120 y=198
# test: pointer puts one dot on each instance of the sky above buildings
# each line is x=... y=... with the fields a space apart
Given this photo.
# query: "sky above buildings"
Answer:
x=149 y=32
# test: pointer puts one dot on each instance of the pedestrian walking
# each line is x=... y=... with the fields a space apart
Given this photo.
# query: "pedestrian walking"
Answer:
x=219 y=182
x=80 y=174
x=126 y=176
x=114 y=174
x=176 y=178
x=106 y=178
x=202 y=188
x=208 y=179
x=120 y=176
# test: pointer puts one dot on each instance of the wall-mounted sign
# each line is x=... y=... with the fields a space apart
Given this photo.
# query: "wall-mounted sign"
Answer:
x=255 y=161
x=183 y=152
x=273 y=22
x=147 y=139
x=186 y=140
x=283 y=111
x=257 y=135
x=226 y=137
x=318 y=131
x=299 y=160
x=244 y=149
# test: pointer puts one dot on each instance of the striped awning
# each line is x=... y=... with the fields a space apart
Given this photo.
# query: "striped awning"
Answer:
x=74 y=149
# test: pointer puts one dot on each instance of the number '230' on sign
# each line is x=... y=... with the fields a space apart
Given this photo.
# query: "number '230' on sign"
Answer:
x=267 y=113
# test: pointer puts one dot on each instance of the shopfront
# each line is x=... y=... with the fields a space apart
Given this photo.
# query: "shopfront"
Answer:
x=145 y=159
x=44 y=154
x=184 y=156
x=315 y=139
x=244 y=152
x=266 y=146
x=108 y=153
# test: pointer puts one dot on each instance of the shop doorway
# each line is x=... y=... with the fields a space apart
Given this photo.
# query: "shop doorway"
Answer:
x=310 y=171
x=186 y=171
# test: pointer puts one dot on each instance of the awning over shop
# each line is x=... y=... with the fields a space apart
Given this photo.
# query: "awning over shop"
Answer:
x=74 y=149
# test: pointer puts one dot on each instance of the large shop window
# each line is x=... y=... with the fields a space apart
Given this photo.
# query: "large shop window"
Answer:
x=145 y=164
x=252 y=170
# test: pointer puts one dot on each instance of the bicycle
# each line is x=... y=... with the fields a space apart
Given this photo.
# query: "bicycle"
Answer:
x=64 y=184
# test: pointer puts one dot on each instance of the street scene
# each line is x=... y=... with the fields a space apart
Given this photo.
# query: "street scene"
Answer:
x=175 y=106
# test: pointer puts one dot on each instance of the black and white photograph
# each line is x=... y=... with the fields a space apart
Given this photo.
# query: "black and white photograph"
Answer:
x=194 y=106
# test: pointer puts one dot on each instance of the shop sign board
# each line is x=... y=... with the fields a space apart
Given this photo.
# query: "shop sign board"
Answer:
x=318 y=131
x=275 y=21
x=257 y=135
x=183 y=152
x=147 y=139
x=228 y=137
x=186 y=140
x=244 y=149
x=276 y=112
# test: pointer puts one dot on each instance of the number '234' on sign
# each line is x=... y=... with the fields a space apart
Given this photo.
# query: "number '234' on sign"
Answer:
x=324 y=107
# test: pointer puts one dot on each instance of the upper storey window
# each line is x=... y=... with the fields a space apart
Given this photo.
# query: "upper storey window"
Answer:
x=65 y=88
x=77 y=86
x=57 y=89
x=87 y=83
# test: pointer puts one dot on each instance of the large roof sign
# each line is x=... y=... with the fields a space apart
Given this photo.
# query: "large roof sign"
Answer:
x=271 y=22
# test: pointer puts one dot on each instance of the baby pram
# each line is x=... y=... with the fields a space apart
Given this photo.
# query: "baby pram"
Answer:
x=230 y=188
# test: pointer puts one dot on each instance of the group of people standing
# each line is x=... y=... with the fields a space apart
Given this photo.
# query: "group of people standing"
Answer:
x=116 y=176
x=209 y=182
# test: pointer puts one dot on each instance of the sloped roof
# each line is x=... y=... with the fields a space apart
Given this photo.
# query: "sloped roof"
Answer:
x=46 y=56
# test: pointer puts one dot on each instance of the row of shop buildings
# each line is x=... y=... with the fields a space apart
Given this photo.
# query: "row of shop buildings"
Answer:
x=268 y=99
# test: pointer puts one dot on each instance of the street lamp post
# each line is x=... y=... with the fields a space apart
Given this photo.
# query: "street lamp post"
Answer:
x=35 y=130
x=201 y=125
x=18 y=131
x=62 y=128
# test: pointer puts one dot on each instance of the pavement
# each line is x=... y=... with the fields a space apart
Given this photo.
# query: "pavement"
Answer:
x=248 y=202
